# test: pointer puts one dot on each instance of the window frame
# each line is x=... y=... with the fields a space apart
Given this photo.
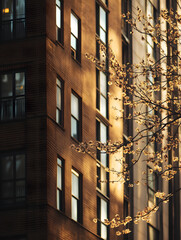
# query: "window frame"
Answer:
x=79 y=121
x=14 y=97
x=14 y=21
x=79 y=199
x=149 y=188
x=99 y=94
x=60 y=111
x=100 y=166
x=14 y=180
x=60 y=31
x=61 y=192
x=99 y=222
x=76 y=53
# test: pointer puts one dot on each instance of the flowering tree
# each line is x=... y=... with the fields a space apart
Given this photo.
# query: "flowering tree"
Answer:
x=152 y=89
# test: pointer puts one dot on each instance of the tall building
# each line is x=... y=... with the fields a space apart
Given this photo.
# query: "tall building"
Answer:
x=52 y=97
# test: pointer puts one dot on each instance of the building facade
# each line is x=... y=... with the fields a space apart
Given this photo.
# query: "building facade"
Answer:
x=52 y=97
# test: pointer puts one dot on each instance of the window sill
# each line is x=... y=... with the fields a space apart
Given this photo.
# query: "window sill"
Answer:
x=78 y=62
x=75 y=140
x=60 y=126
x=102 y=194
x=103 y=5
x=57 y=43
x=102 y=118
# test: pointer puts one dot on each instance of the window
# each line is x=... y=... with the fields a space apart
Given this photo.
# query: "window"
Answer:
x=102 y=97
x=12 y=19
x=153 y=233
x=60 y=197
x=152 y=183
x=125 y=9
x=102 y=214
x=101 y=23
x=12 y=178
x=59 y=20
x=12 y=95
x=75 y=117
x=102 y=158
x=60 y=97
x=75 y=37
x=151 y=12
x=76 y=196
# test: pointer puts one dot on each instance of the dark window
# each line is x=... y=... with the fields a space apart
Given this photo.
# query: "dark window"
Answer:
x=152 y=183
x=59 y=20
x=60 y=184
x=60 y=98
x=102 y=158
x=102 y=215
x=125 y=9
x=75 y=38
x=12 y=19
x=153 y=233
x=76 y=197
x=75 y=117
x=12 y=95
x=102 y=97
x=12 y=178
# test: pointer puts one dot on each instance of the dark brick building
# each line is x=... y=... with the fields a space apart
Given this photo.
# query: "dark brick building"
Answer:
x=52 y=96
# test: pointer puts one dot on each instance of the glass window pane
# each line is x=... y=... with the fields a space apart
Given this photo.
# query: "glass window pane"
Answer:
x=20 y=83
x=102 y=35
x=20 y=8
x=7 y=190
x=75 y=185
x=103 y=231
x=6 y=109
x=103 y=84
x=151 y=195
x=103 y=106
x=103 y=158
x=74 y=209
x=20 y=188
x=6 y=167
x=103 y=210
x=103 y=133
x=103 y=178
x=73 y=42
x=7 y=10
x=74 y=25
x=59 y=162
x=74 y=128
x=58 y=199
x=102 y=18
x=58 y=3
x=6 y=85
x=75 y=106
x=58 y=17
x=59 y=177
x=20 y=166
x=58 y=98
x=20 y=107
